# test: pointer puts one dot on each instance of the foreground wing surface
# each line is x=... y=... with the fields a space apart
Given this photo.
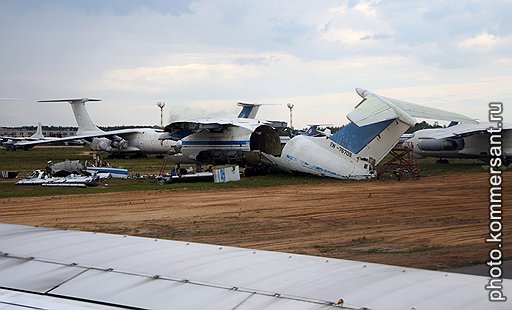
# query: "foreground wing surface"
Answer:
x=122 y=271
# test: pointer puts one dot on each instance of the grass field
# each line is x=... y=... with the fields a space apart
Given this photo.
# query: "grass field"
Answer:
x=27 y=161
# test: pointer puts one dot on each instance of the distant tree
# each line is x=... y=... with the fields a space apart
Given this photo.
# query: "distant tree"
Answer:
x=423 y=125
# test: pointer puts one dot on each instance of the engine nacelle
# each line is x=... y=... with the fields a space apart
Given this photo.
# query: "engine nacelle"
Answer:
x=101 y=144
x=447 y=144
x=119 y=144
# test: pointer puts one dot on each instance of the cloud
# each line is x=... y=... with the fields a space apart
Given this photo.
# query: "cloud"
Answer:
x=481 y=41
x=205 y=55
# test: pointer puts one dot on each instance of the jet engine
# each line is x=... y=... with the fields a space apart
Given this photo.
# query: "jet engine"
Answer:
x=107 y=145
x=119 y=144
x=447 y=144
x=101 y=144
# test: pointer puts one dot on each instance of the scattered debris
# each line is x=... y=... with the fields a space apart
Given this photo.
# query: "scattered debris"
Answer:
x=8 y=174
x=42 y=177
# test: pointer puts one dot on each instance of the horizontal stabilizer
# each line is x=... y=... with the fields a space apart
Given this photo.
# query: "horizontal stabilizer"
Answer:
x=71 y=100
x=83 y=120
x=375 y=108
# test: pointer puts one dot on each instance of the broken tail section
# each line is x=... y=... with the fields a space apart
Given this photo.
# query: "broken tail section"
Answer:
x=84 y=121
x=377 y=123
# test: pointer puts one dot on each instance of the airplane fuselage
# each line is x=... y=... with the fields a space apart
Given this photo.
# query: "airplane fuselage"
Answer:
x=300 y=155
x=228 y=146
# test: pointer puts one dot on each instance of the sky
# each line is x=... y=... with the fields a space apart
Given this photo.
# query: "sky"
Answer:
x=201 y=57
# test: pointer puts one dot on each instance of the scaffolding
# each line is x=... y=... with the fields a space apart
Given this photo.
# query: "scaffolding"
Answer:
x=402 y=162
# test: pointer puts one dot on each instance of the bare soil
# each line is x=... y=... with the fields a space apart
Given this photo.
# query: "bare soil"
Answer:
x=435 y=222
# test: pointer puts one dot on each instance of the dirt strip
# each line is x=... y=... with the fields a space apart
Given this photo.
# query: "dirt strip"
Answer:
x=434 y=222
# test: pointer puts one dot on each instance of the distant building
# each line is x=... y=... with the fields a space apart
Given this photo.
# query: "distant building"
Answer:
x=22 y=132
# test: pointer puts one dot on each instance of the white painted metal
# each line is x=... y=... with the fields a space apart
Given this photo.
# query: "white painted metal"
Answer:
x=137 y=140
x=376 y=126
x=20 y=300
x=475 y=137
x=154 y=273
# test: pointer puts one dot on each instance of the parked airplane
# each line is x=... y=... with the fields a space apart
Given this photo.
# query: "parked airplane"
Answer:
x=48 y=268
x=460 y=141
x=314 y=131
x=214 y=141
x=125 y=142
x=12 y=143
x=376 y=125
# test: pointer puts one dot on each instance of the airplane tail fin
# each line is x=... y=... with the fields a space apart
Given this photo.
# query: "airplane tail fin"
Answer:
x=249 y=110
x=378 y=122
x=85 y=124
x=39 y=132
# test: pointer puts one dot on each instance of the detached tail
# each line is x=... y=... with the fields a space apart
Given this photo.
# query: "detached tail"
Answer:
x=249 y=110
x=85 y=124
x=378 y=122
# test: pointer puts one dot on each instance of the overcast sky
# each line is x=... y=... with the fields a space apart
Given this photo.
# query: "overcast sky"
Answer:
x=201 y=57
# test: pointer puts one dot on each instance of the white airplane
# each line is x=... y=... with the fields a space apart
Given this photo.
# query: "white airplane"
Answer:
x=48 y=268
x=215 y=141
x=125 y=142
x=352 y=152
x=12 y=143
x=460 y=141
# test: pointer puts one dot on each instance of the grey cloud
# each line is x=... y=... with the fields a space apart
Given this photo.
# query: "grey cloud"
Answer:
x=94 y=7
x=377 y=36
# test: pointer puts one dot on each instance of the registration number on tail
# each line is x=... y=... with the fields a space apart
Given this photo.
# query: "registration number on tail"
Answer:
x=340 y=149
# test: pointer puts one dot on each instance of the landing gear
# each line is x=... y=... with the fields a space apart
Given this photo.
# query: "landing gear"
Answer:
x=442 y=161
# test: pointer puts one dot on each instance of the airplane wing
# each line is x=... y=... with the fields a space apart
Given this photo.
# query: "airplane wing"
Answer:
x=461 y=130
x=180 y=129
x=47 y=268
x=375 y=108
x=120 y=133
x=23 y=138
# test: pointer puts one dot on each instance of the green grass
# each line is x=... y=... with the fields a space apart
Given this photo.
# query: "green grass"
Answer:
x=27 y=161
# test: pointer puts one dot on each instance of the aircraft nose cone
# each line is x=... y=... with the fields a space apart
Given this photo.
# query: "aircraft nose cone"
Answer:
x=179 y=144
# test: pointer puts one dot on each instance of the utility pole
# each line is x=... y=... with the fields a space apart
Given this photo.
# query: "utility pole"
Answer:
x=161 y=105
x=290 y=106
